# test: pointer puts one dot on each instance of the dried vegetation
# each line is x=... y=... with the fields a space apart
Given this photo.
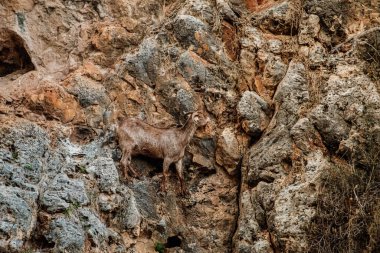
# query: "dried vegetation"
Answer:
x=348 y=206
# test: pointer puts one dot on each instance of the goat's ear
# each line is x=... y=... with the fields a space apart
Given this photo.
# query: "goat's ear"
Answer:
x=196 y=113
x=188 y=114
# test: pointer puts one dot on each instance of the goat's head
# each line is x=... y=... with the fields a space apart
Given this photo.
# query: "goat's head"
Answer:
x=199 y=118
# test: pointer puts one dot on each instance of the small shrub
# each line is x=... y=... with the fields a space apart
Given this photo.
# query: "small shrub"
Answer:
x=28 y=251
x=72 y=207
x=368 y=49
x=160 y=247
x=28 y=166
x=14 y=155
x=347 y=212
x=81 y=169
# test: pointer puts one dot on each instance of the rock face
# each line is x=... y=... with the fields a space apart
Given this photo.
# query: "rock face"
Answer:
x=291 y=89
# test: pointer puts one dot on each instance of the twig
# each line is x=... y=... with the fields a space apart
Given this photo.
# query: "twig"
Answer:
x=373 y=29
x=357 y=199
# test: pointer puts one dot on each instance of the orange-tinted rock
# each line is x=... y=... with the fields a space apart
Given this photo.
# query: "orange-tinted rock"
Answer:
x=230 y=40
x=54 y=103
x=110 y=37
x=92 y=71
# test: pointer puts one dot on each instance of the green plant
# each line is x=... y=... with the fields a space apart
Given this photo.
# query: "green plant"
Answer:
x=28 y=166
x=14 y=155
x=28 y=251
x=75 y=205
x=160 y=247
x=81 y=169
x=72 y=207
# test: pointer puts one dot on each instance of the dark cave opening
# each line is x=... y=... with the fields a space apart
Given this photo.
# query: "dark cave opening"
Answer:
x=173 y=241
x=13 y=54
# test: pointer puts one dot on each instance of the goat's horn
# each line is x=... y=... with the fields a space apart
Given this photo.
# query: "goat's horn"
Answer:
x=189 y=113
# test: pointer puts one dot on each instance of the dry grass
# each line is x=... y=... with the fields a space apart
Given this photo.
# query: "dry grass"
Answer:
x=368 y=49
x=348 y=207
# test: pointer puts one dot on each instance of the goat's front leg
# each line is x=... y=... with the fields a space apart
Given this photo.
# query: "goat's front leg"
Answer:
x=179 y=169
x=126 y=164
x=165 y=172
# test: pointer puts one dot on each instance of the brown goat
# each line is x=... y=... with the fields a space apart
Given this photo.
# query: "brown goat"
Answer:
x=139 y=138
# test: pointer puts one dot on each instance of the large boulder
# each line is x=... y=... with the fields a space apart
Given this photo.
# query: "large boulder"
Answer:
x=62 y=193
x=67 y=235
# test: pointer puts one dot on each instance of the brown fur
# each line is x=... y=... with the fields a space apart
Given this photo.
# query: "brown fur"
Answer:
x=139 y=138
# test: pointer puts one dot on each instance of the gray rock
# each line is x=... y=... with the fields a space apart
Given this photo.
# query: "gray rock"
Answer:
x=16 y=245
x=330 y=125
x=262 y=246
x=185 y=27
x=254 y=111
x=349 y=109
x=278 y=19
x=67 y=235
x=317 y=55
x=271 y=150
x=87 y=91
x=293 y=201
x=177 y=98
x=186 y=101
x=248 y=228
x=309 y=28
x=109 y=203
x=22 y=152
x=194 y=70
x=22 y=149
x=275 y=46
x=202 y=9
x=253 y=38
x=16 y=219
x=238 y=6
x=23 y=177
x=27 y=139
x=291 y=93
x=274 y=71
x=63 y=192
x=145 y=193
x=293 y=207
x=96 y=231
x=328 y=11
x=143 y=64
x=106 y=174
x=305 y=136
x=192 y=32
x=129 y=216
x=226 y=10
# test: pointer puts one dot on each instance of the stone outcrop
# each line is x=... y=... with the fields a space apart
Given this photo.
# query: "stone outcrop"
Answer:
x=291 y=89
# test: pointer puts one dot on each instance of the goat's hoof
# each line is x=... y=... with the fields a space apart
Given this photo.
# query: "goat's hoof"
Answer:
x=162 y=194
x=137 y=176
x=184 y=193
x=163 y=189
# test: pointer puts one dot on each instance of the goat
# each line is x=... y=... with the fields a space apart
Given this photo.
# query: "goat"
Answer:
x=139 y=138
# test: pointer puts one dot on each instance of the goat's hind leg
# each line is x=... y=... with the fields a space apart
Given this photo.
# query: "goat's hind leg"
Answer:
x=165 y=172
x=134 y=173
x=179 y=169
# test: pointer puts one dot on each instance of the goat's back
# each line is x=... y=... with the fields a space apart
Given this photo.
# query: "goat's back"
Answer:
x=143 y=138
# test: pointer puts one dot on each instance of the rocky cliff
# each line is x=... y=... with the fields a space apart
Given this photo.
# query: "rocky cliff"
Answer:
x=288 y=163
